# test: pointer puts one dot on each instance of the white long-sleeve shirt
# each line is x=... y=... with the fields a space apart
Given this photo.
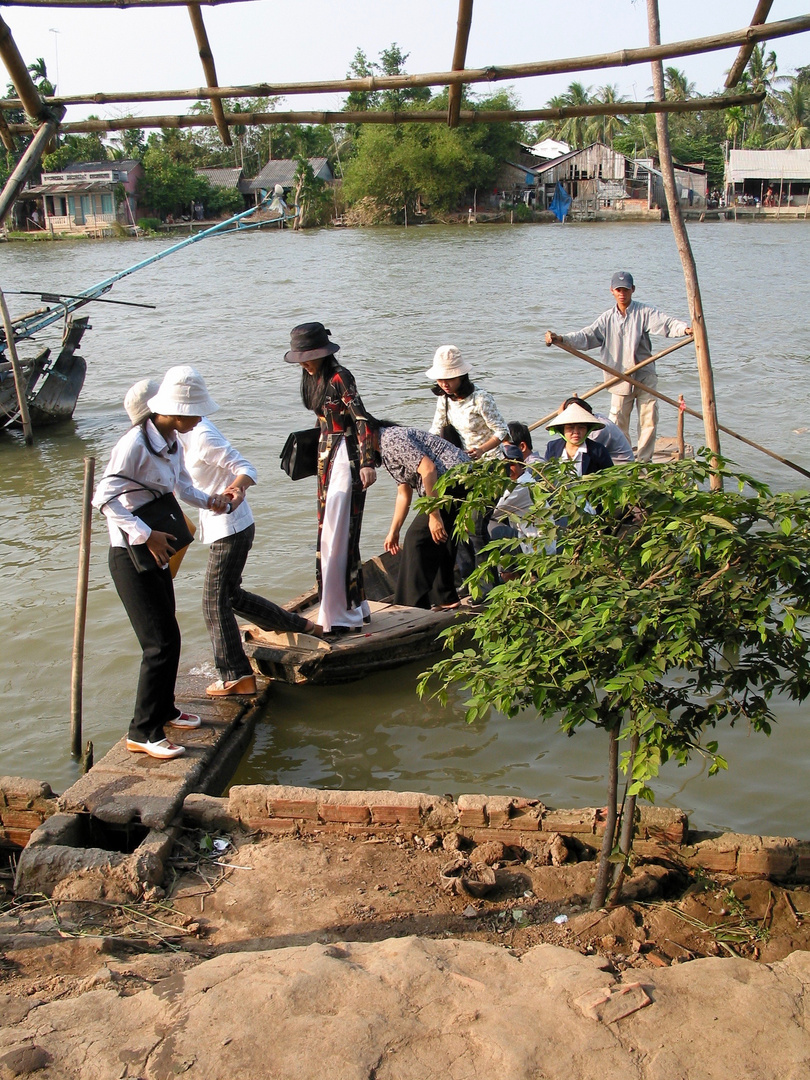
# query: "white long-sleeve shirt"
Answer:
x=212 y=464
x=624 y=340
x=476 y=418
x=117 y=496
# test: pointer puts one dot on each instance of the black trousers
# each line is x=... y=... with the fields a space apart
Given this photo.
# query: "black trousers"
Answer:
x=148 y=599
x=427 y=569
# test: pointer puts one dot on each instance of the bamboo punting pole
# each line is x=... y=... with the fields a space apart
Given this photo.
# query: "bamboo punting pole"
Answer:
x=428 y=116
x=699 y=333
x=209 y=70
x=465 y=11
x=22 y=401
x=607 y=383
x=80 y=619
x=681 y=441
x=623 y=58
x=744 y=55
x=25 y=166
x=671 y=401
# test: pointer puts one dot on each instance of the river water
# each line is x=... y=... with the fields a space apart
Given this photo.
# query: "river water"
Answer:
x=390 y=297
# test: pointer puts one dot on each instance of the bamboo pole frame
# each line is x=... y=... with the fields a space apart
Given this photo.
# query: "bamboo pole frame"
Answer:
x=26 y=165
x=704 y=364
x=113 y=3
x=80 y=615
x=465 y=11
x=22 y=401
x=29 y=97
x=466 y=116
x=6 y=136
x=744 y=55
x=209 y=68
x=623 y=58
x=675 y=404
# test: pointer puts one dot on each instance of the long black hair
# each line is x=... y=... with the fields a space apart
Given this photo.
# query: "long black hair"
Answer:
x=313 y=387
x=463 y=390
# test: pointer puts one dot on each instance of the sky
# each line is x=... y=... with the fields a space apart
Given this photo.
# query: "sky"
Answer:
x=261 y=41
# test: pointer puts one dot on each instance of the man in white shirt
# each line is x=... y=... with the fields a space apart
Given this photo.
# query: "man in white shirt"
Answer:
x=622 y=334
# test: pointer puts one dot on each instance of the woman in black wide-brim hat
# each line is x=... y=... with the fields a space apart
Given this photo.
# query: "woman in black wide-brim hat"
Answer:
x=346 y=468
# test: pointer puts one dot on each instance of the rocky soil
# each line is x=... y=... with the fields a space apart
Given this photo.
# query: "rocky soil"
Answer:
x=375 y=958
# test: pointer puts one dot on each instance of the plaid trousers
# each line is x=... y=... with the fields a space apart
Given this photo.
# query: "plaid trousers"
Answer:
x=224 y=599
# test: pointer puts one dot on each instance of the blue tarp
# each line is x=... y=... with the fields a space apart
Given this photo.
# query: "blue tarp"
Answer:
x=561 y=203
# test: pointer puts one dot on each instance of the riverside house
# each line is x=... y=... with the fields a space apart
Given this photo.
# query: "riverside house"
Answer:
x=88 y=197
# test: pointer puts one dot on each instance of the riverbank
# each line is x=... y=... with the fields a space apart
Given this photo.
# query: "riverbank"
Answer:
x=353 y=954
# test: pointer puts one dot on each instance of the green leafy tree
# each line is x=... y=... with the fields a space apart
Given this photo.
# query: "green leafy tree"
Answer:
x=609 y=127
x=75 y=149
x=169 y=186
x=577 y=131
x=667 y=611
x=791 y=110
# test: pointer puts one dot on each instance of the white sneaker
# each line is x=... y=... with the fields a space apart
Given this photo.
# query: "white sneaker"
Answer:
x=162 y=750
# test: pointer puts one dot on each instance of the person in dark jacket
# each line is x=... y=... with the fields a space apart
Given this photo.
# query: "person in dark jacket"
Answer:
x=574 y=424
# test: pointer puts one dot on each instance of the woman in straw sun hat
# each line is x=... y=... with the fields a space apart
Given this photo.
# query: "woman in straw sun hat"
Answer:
x=147 y=462
x=574 y=424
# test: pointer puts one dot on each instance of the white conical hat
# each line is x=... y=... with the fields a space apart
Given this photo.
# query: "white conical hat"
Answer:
x=574 y=414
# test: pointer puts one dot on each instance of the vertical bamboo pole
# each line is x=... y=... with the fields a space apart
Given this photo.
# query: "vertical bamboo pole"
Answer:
x=681 y=416
x=209 y=70
x=465 y=11
x=25 y=166
x=684 y=248
x=80 y=619
x=22 y=401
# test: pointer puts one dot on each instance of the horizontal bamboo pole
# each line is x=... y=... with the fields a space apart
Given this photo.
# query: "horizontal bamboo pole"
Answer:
x=744 y=55
x=27 y=164
x=677 y=405
x=606 y=385
x=113 y=3
x=622 y=58
x=432 y=116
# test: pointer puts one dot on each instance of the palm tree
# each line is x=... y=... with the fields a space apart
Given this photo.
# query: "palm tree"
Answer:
x=759 y=75
x=791 y=110
x=676 y=85
x=608 y=127
x=577 y=131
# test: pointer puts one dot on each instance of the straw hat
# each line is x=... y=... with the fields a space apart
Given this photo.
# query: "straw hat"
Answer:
x=136 y=400
x=183 y=393
x=447 y=364
x=310 y=341
x=574 y=414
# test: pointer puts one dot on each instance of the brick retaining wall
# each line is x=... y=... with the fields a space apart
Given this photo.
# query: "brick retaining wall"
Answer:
x=24 y=806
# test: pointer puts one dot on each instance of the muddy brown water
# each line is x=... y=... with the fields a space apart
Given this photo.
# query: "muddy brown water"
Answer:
x=390 y=297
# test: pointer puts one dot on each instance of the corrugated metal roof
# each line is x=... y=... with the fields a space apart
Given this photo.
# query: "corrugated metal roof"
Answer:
x=282 y=172
x=224 y=178
x=767 y=165
x=75 y=187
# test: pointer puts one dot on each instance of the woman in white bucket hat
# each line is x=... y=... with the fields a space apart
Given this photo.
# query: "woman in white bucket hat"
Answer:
x=145 y=463
x=461 y=405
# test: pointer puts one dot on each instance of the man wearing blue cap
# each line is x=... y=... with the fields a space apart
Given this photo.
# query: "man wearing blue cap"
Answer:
x=622 y=334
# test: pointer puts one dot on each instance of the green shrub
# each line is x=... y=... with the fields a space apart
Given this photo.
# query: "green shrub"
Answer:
x=149 y=224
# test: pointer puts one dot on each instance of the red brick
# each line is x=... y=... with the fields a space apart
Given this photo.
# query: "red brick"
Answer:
x=395 y=815
x=529 y=840
x=22 y=819
x=498 y=810
x=652 y=849
x=472 y=810
x=525 y=821
x=14 y=837
x=270 y=825
x=803 y=868
x=570 y=821
x=721 y=862
x=359 y=815
x=766 y=862
x=293 y=808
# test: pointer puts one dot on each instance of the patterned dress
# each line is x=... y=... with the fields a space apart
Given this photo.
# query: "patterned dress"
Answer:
x=343 y=417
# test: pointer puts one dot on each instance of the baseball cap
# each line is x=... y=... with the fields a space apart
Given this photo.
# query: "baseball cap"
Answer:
x=622 y=280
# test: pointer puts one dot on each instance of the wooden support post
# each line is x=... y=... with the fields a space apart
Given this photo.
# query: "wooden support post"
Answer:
x=80 y=618
x=22 y=401
x=25 y=166
x=684 y=248
x=210 y=71
x=5 y=135
x=744 y=55
x=681 y=441
x=465 y=11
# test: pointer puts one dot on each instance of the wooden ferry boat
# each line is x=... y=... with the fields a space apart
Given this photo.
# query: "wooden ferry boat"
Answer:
x=396 y=635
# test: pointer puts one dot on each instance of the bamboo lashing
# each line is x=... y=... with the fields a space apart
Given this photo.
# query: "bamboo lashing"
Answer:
x=744 y=55
x=19 y=386
x=465 y=10
x=690 y=274
x=6 y=136
x=406 y=116
x=25 y=166
x=606 y=385
x=671 y=401
x=493 y=73
x=209 y=69
x=29 y=97
x=80 y=618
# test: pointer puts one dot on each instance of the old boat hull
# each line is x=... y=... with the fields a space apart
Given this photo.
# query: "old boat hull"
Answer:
x=396 y=635
x=51 y=390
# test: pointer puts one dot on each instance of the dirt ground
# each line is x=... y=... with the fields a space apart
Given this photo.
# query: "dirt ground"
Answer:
x=238 y=893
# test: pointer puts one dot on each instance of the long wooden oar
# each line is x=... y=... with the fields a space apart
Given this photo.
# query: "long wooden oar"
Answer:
x=606 y=385
x=671 y=401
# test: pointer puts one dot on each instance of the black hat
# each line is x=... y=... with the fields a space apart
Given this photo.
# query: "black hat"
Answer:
x=309 y=341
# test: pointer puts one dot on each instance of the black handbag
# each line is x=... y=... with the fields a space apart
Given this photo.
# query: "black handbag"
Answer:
x=163 y=514
x=299 y=458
